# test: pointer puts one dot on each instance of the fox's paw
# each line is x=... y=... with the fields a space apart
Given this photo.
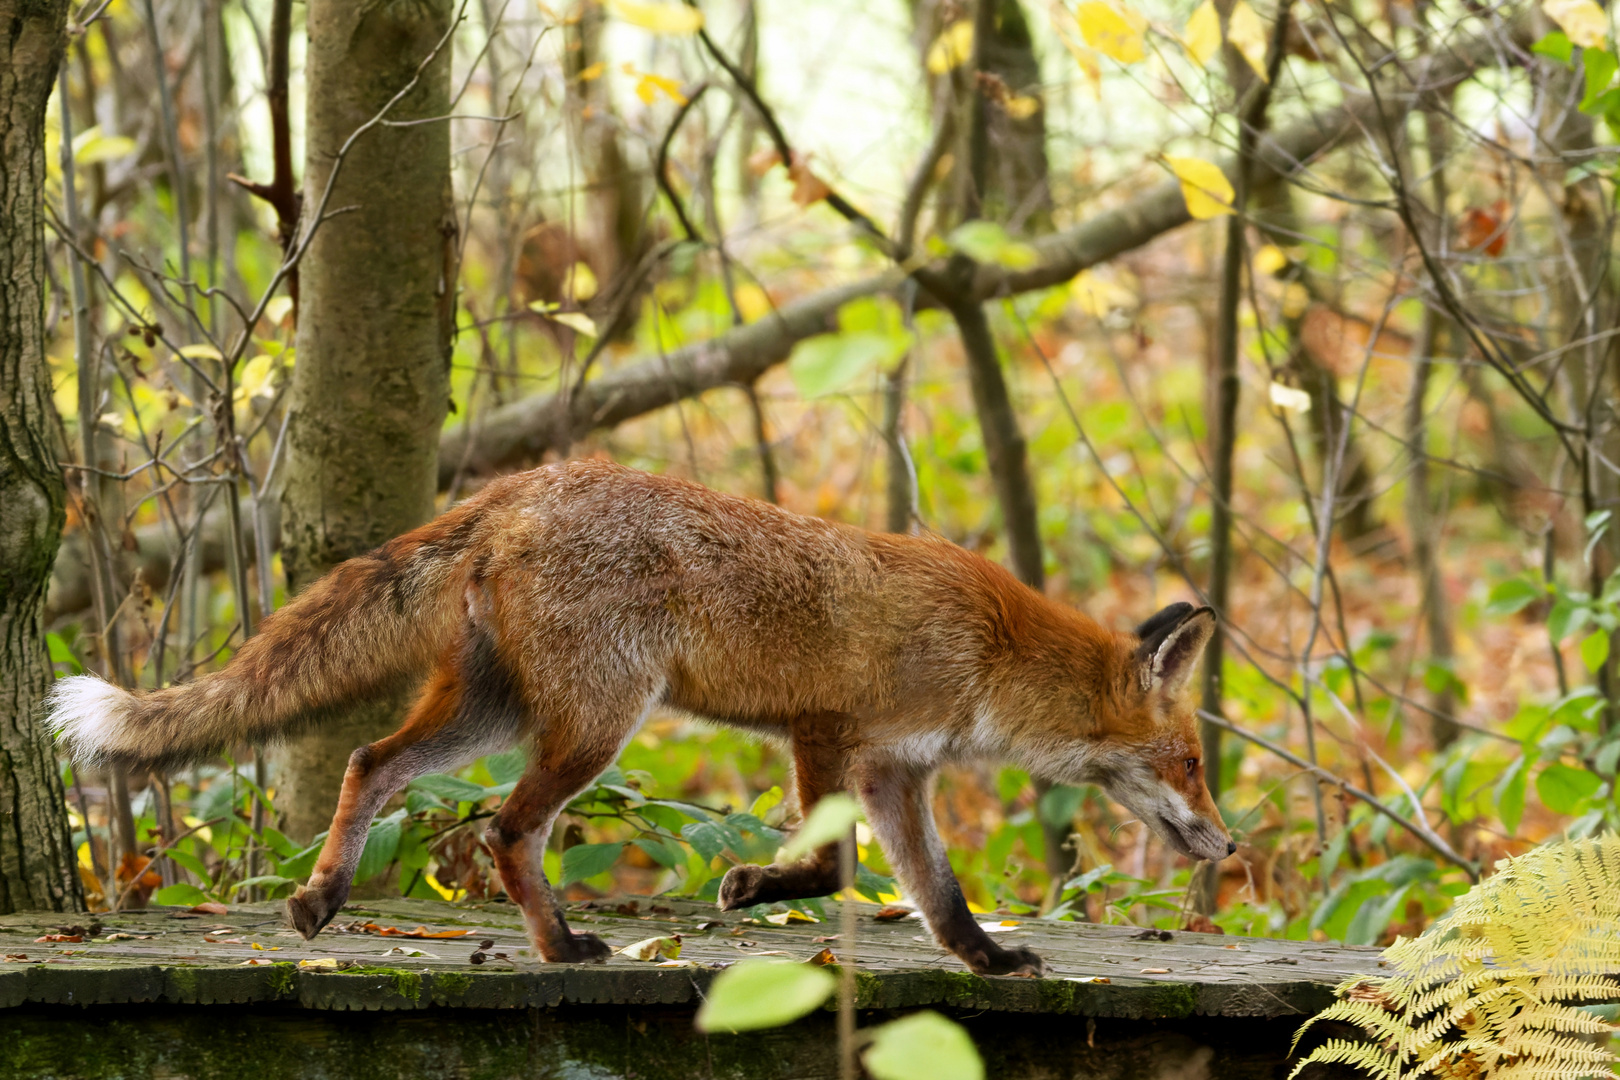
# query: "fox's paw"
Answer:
x=580 y=948
x=309 y=911
x=999 y=961
x=741 y=886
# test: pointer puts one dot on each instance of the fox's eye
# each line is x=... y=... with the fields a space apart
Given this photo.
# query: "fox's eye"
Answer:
x=1192 y=765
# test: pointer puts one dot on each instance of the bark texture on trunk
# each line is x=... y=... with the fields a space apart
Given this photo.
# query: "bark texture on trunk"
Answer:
x=377 y=306
x=38 y=871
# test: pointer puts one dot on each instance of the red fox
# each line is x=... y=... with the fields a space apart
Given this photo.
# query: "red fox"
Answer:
x=558 y=607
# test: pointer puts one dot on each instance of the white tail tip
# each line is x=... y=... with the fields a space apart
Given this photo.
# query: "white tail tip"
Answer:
x=86 y=713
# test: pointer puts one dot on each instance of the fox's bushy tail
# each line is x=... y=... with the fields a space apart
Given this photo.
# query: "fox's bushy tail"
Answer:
x=372 y=624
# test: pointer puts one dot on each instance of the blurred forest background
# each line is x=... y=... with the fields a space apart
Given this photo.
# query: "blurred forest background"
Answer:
x=1302 y=309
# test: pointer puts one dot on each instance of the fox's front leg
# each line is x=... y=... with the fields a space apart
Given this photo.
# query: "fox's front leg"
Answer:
x=896 y=798
x=820 y=765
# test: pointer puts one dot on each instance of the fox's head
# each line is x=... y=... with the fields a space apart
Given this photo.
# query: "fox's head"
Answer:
x=1150 y=758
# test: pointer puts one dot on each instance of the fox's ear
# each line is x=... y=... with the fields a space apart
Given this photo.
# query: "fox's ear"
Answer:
x=1172 y=647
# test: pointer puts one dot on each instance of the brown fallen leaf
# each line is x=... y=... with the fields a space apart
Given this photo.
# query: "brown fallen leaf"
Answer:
x=127 y=937
x=823 y=958
x=72 y=938
x=823 y=939
x=420 y=932
x=211 y=907
x=16 y=957
x=222 y=940
x=891 y=913
x=1155 y=971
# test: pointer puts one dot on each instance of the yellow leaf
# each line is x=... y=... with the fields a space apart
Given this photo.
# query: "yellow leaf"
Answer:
x=255 y=377
x=1296 y=298
x=753 y=301
x=200 y=352
x=1097 y=296
x=1207 y=190
x=649 y=86
x=1203 y=35
x=1022 y=107
x=952 y=49
x=91 y=147
x=1248 y=35
x=577 y=321
x=581 y=282
x=324 y=963
x=1109 y=32
x=1269 y=259
x=277 y=309
x=671 y=18
x=653 y=948
x=1289 y=398
x=593 y=72
x=1582 y=21
x=783 y=918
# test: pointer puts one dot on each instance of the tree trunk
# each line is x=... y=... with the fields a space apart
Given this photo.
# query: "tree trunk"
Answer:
x=377 y=308
x=1015 y=188
x=37 y=867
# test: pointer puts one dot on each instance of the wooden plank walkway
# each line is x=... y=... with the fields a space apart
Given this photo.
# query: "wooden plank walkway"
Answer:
x=251 y=955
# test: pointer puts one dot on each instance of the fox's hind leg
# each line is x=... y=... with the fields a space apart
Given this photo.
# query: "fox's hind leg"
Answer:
x=558 y=771
x=821 y=746
x=468 y=709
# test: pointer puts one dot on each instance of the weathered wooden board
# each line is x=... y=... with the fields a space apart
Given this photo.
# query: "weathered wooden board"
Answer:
x=172 y=994
x=251 y=955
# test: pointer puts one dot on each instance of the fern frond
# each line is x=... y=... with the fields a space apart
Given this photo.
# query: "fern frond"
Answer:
x=1486 y=992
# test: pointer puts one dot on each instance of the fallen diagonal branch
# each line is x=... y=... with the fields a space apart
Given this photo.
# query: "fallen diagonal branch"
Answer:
x=524 y=430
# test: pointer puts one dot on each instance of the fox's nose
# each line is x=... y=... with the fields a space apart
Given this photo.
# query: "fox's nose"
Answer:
x=1231 y=847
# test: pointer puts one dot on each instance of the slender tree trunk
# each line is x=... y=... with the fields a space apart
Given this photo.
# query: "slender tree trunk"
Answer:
x=377 y=307
x=1433 y=341
x=37 y=867
x=1015 y=186
x=615 y=202
x=1223 y=432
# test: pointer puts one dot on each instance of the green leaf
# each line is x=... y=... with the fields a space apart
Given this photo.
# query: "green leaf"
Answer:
x=302 y=863
x=706 y=839
x=760 y=994
x=1373 y=917
x=830 y=363
x=1563 y=788
x=987 y=242
x=186 y=859
x=1512 y=596
x=1555 y=46
x=62 y=653
x=1600 y=67
x=1595 y=649
x=660 y=852
x=829 y=821
x=382 y=842
x=181 y=895
x=451 y=789
x=1566 y=617
x=587 y=860
x=1060 y=803
x=1510 y=794
x=506 y=768
x=923 y=1046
